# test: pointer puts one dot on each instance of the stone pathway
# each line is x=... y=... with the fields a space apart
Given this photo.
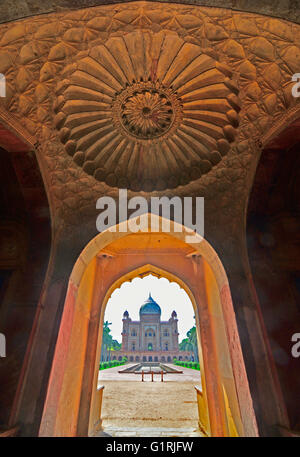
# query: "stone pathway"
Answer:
x=155 y=409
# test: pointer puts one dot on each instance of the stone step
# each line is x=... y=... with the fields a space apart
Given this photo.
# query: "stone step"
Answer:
x=150 y=432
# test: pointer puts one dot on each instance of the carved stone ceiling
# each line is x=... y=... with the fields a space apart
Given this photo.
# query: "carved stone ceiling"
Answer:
x=146 y=111
x=11 y=10
x=166 y=98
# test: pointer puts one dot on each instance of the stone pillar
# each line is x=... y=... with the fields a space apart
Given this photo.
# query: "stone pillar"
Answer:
x=29 y=402
x=263 y=379
x=216 y=405
x=261 y=372
x=89 y=416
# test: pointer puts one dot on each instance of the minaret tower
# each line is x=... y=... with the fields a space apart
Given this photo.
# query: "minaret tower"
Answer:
x=175 y=334
x=125 y=332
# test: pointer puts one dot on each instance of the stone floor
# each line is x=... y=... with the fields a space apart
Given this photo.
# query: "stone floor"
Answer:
x=149 y=409
x=149 y=432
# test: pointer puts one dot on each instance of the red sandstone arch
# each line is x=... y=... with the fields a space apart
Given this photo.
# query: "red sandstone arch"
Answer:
x=273 y=252
x=25 y=228
x=72 y=403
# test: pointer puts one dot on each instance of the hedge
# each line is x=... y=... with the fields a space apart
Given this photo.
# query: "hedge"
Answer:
x=111 y=364
x=187 y=364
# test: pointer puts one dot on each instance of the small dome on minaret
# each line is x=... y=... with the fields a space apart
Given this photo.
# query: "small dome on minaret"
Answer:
x=126 y=314
x=174 y=314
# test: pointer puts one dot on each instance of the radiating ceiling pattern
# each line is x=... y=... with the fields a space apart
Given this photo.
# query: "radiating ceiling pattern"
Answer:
x=147 y=111
x=42 y=58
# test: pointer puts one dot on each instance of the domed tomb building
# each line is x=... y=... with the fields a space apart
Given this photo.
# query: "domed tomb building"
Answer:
x=150 y=339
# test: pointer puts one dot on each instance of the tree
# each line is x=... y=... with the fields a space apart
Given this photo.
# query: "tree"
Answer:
x=108 y=343
x=190 y=343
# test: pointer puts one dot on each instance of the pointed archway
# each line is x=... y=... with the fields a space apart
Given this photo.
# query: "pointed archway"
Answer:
x=73 y=403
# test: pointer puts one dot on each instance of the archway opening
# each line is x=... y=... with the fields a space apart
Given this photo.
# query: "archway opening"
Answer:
x=225 y=405
x=157 y=395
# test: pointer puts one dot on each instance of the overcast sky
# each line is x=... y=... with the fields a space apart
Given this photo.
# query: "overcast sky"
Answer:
x=131 y=295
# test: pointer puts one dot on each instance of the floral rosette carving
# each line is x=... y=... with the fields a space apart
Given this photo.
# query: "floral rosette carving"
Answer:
x=147 y=111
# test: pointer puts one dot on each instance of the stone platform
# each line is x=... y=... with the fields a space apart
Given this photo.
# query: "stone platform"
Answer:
x=155 y=409
x=187 y=375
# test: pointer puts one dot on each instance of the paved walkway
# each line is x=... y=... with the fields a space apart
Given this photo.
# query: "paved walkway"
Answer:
x=155 y=409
